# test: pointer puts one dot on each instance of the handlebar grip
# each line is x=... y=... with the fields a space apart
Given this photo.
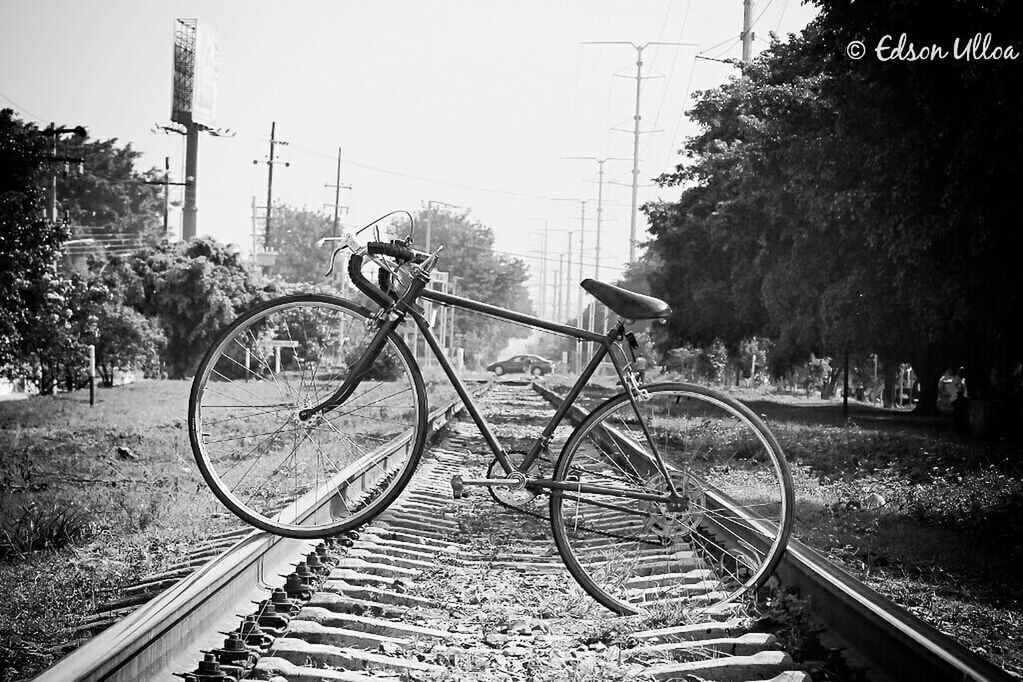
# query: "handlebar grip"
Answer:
x=364 y=285
x=395 y=250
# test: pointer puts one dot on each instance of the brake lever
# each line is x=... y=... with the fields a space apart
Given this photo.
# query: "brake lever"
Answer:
x=348 y=243
x=333 y=258
x=430 y=262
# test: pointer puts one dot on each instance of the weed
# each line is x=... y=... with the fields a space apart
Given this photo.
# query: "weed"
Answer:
x=38 y=526
x=787 y=616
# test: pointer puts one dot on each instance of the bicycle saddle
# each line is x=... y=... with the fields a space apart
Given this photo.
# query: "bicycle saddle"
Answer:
x=625 y=303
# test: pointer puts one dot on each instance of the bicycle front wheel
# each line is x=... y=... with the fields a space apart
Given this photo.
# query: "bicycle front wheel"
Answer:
x=324 y=475
x=720 y=525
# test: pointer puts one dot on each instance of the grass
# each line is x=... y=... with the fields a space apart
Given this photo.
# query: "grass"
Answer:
x=91 y=500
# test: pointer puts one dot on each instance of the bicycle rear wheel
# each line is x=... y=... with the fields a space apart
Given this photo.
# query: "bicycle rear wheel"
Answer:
x=719 y=538
x=313 y=478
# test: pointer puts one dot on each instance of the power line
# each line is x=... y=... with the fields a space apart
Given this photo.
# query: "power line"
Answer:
x=410 y=176
x=781 y=16
x=21 y=108
x=762 y=12
x=682 y=111
x=671 y=72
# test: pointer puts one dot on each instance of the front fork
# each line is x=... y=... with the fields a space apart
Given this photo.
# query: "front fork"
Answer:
x=387 y=320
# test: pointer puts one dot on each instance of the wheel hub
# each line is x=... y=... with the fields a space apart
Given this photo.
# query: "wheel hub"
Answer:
x=681 y=513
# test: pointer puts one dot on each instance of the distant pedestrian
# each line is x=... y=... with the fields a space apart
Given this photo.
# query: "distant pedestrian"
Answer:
x=959 y=383
x=640 y=367
x=961 y=403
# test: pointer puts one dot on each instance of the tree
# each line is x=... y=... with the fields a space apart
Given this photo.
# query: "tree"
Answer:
x=127 y=339
x=110 y=198
x=194 y=288
x=482 y=275
x=839 y=206
x=50 y=348
x=29 y=244
x=294 y=236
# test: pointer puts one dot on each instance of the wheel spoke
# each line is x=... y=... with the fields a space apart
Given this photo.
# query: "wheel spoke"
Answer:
x=632 y=554
x=256 y=454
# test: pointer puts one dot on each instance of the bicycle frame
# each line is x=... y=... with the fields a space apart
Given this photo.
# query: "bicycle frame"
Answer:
x=404 y=306
x=603 y=349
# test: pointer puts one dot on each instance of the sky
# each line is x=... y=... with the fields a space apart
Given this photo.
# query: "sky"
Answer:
x=467 y=102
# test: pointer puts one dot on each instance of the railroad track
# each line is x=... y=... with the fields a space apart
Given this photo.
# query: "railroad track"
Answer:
x=436 y=588
x=863 y=634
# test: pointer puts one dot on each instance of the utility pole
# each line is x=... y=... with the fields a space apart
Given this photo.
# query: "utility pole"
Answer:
x=429 y=218
x=55 y=133
x=543 y=267
x=190 y=211
x=557 y=287
x=581 y=322
x=166 y=194
x=600 y=199
x=255 y=259
x=600 y=212
x=191 y=130
x=270 y=180
x=337 y=186
x=635 y=132
x=567 y=295
x=582 y=255
x=429 y=235
x=747 y=30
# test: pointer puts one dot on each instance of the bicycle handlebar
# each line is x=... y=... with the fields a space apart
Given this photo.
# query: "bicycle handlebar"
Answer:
x=396 y=250
x=364 y=285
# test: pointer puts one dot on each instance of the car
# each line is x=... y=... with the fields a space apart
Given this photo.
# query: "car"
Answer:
x=530 y=364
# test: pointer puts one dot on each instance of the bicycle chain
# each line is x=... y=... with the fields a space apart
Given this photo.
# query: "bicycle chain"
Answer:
x=546 y=518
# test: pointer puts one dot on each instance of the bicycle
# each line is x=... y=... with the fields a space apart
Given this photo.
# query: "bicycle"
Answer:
x=665 y=494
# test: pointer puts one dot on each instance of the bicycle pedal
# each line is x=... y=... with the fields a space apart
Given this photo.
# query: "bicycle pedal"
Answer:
x=457 y=487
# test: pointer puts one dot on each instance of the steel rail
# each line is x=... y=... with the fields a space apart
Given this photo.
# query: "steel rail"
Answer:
x=165 y=635
x=892 y=643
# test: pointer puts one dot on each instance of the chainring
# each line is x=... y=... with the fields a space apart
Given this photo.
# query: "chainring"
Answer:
x=506 y=495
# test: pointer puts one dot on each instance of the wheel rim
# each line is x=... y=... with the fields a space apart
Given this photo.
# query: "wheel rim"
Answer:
x=718 y=539
x=499 y=370
x=262 y=460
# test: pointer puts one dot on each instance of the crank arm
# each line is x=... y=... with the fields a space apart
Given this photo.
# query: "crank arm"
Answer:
x=458 y=484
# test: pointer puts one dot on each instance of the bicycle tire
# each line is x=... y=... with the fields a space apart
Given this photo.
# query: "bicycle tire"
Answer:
x=305 y=488
x=721 y=540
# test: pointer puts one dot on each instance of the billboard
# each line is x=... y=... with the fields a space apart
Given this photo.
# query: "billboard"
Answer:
x=195 y=73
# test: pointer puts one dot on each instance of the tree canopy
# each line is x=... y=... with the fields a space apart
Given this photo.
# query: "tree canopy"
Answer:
x=193 y=289
x=293 y=236
x=29 y=244
x=110 y=197
x=483 y=275
x=836 y=204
